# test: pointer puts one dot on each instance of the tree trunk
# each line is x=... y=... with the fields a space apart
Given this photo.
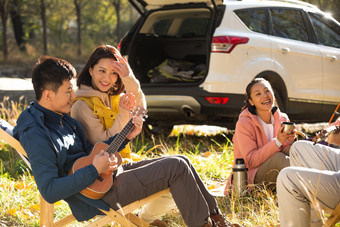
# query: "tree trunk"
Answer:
x=4 y=13
x=43 y=20
x=116 y=4
x=78 y=6
x=336 y=7
x=17 y=25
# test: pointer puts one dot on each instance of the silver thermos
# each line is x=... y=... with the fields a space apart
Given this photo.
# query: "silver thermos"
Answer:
x=240 y=181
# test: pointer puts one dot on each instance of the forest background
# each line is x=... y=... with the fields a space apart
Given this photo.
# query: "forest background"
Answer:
x=71 y=29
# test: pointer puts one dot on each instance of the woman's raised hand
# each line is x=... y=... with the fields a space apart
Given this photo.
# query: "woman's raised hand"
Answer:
x=127 y=101
x=121 y=66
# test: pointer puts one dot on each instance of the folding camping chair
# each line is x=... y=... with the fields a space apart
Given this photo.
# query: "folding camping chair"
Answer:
x=123 y=216
x=333 y=218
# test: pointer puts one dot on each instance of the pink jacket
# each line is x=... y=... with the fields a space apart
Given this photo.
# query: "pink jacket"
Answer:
x=251 y=142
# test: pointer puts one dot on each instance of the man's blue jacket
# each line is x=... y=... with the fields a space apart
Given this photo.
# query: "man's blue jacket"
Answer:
x=47 y=155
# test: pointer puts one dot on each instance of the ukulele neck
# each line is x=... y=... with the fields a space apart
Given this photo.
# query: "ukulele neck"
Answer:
x=119 y=139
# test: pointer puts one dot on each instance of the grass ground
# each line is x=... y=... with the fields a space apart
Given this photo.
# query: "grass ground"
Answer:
x=19 y=201
x=211 y=154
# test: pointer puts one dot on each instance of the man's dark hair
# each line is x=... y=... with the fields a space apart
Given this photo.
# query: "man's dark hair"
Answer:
x=50 y=73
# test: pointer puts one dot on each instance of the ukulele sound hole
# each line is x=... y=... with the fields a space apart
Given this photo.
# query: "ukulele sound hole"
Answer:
x=100 y=178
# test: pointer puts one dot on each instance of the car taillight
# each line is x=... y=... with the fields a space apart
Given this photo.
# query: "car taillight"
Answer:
x=225 y=44
x=217 y=100
x=119 y=46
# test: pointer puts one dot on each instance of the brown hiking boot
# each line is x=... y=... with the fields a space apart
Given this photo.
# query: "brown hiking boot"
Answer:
x=220 y=221
x=158 y=223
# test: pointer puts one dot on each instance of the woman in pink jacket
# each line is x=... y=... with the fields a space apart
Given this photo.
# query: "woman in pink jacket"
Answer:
x=259 y=138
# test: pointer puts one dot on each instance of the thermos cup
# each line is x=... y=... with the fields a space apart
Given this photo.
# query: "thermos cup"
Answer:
x=288 y=126
x=240 y=181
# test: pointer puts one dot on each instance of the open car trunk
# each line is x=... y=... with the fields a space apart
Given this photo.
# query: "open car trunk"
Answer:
x=171 y=45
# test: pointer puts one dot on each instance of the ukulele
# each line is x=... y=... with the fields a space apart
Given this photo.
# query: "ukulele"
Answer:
x=324 y=133
x=105 y=180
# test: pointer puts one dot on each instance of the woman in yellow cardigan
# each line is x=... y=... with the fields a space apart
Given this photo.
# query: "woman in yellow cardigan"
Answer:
x=107 y=91
x=101 y=105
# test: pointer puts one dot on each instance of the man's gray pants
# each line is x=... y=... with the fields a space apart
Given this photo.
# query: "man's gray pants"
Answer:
x=141 y=179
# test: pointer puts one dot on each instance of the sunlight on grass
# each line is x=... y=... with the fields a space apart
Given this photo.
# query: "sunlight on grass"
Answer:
x=257 y=209
x=211 y=156
x=10 y=110
x=211 y=153
x=19 y=201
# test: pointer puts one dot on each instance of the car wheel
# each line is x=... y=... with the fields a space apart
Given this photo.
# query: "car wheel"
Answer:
x=278 y=88
x=278 y=101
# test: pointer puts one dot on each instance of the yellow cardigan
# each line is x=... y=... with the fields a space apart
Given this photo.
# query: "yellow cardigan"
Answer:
x=106 y=115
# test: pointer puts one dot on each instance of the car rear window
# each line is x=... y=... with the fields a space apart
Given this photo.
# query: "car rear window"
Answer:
x=194 y=27
x=189 y=23
x=161 y=27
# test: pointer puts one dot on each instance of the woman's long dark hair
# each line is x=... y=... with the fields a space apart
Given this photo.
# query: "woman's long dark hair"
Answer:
x=103 y=51
x=248 y=89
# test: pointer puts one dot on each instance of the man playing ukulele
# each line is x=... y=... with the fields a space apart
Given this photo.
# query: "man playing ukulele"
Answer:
x=54 y=142
x=312 y=182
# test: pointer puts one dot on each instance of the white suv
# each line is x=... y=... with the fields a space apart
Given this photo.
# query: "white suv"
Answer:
x=195 y=58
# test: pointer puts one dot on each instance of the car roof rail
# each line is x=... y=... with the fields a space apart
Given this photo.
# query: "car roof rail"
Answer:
x=297 y=2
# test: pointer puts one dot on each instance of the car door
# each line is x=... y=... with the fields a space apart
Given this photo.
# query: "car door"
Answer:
x=327 y=32
x=143 y=7
x=297 y=59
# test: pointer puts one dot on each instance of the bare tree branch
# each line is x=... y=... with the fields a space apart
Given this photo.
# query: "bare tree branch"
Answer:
x=4 y=5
